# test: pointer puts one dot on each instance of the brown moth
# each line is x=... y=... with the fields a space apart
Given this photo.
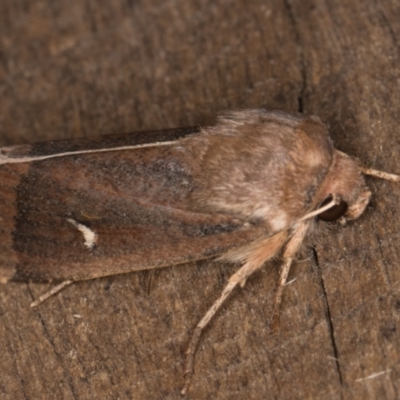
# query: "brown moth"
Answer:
x=245 y=190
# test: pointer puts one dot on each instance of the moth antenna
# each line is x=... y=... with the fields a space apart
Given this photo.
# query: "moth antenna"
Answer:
x=334 y=202
x=374 y=172
x=291 y=249
x=380 y=174
x=50 y=293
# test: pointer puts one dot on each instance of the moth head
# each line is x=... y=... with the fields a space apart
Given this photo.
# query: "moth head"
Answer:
x=344 y=190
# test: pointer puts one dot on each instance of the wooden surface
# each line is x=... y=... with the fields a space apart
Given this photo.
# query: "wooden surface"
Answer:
x=74 y=68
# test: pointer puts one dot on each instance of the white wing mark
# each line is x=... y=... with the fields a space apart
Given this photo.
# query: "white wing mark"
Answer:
x=89 y=236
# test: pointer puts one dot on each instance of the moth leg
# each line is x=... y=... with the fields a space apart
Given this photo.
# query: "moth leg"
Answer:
x=235 y=279
x=260 y=253
x=50 y=293
x=290 y=251
x=278 y=296
x=199 y=329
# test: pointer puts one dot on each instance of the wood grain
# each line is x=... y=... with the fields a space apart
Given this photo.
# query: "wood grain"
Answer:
x=72 y=68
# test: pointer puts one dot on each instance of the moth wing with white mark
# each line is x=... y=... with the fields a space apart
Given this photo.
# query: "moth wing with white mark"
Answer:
x=76 y=210
x=87 y=215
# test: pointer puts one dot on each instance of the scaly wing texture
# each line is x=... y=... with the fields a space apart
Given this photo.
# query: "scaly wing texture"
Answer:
x=94 y=214
x=133 y=201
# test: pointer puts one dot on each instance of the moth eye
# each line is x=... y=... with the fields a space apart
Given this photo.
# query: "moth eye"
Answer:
x=335 y=212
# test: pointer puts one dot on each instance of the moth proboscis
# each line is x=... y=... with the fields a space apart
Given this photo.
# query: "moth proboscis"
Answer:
x=245 y=190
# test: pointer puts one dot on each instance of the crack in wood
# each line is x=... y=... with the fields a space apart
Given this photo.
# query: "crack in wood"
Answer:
x=328 y=317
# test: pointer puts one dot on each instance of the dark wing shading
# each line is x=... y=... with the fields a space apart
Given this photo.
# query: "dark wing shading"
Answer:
x=91 y=215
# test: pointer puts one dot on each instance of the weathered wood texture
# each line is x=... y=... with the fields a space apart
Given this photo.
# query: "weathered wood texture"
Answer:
x=74 y=68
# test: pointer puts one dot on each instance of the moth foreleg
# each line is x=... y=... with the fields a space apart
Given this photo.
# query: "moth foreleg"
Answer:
x=290 y=251
x=199 y=329
x=256 y=254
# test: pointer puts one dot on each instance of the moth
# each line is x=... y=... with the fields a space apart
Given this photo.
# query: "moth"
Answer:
x=246 y=190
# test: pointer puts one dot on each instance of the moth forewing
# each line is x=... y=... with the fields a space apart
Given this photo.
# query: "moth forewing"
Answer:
x=244 y=190
x=82 y=216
